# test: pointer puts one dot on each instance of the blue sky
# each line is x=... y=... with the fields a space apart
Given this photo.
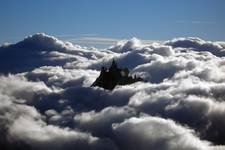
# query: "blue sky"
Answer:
x=114 y=19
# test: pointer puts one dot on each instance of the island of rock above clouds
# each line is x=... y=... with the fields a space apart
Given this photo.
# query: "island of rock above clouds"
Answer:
x=113 y=76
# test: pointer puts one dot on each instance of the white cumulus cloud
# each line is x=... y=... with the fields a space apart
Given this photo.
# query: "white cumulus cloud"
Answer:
x=47 y=102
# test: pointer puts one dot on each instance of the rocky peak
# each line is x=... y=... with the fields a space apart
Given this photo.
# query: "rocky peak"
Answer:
x=113 y=76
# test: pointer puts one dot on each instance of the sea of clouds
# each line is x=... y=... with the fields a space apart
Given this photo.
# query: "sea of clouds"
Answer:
x=46 y=101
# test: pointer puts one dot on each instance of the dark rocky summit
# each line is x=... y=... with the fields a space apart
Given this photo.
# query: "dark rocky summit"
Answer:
x=113 y=76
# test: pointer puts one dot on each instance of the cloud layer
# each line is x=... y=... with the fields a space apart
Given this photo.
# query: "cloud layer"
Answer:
x=46 y=101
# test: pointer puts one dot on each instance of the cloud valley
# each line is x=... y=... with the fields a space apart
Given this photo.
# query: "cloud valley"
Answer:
x=46 y=101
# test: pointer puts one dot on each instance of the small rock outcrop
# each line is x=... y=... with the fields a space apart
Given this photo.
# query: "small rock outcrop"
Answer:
x=113 y=76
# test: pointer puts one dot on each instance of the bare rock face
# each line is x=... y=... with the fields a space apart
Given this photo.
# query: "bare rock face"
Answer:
x=113 y=76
